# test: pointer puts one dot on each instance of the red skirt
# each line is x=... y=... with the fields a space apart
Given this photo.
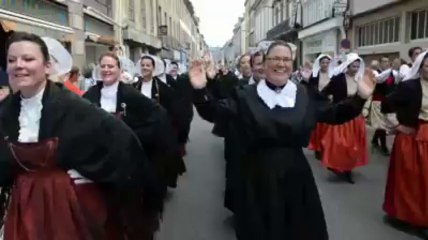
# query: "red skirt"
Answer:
x=45 y=205
x=406 y=195
x=345 y=146
x=316 y=137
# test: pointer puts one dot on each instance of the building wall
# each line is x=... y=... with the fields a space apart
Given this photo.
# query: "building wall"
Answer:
x=103 y=6
x=246 y=26
x=316 y=10
x=361 y=6
x=322 y=29
x=172 y=11
x=183 y=28
x=401 y=40
x=229 y=54
x=217 y=54
x=263 y=20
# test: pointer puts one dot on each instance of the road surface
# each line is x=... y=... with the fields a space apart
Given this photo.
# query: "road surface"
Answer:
x=195 y=209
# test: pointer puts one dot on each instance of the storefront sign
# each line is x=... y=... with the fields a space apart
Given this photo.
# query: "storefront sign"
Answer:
x=42 y=9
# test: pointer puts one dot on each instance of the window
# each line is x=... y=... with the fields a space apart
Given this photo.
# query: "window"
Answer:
x=277 y=16
x=159 y=17
x=152 y=18
x=131 y=10
x=419 y=24
x=284 y=8
x=379 y=32
x=396 y=29
x=170 y=27
x=143 y=15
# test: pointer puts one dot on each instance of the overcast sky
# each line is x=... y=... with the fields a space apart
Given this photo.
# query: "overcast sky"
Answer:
x=218 y=18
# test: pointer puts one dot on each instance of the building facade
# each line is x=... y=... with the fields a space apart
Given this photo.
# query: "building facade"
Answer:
x=98 y=26
x=286 y=22
x=322 y=27
x=237 y=39
x=229 y=56
x=258 y=19
x=138 y=31
x=31 y=16
x=388 y=27
x=216 y=54
x=178 y=29
x=88 y=28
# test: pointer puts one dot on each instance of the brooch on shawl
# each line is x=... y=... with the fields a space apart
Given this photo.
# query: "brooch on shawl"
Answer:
x=122 y=113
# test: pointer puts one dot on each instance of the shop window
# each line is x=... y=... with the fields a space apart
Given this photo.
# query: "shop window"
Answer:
x=419 y=24
x=391 y=25
x=360 y=35
x=385 y=32
x=376 y=33
x=379 y=32
x=396 y=29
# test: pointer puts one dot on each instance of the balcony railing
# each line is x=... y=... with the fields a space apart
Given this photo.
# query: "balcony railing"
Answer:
x=279 y=29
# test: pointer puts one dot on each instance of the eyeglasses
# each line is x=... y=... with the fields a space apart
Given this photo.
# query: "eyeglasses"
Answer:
x=279 y=59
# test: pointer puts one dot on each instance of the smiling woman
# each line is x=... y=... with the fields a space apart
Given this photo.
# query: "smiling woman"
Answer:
x=276 y=197
x=150 y=123
x=56 y=149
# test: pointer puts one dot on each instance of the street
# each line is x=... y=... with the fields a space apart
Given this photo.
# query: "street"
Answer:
x=195 y=210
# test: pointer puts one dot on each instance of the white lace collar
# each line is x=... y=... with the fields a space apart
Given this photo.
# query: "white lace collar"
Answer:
x=285 y=98
x=29 y=118
x=146 y=88
x=108 y=99
x=252 y=81
x=110 y=90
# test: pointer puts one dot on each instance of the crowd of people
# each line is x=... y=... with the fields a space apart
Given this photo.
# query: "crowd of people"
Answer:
x=94 y=158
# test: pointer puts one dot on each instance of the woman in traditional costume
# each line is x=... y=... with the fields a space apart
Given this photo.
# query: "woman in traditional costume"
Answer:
x=245 y=71
x=386 y=80
x=72 y=81
x=153 y=88
x=148 y=120
x=344 y=146
x=145 y=117
x=406 y=196
x=59 y=156
x=277 y=196
x=319 y=79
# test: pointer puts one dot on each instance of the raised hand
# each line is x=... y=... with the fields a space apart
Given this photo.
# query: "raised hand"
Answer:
x=197 y=74
x=306 y=74
x=405 y=129
x=4 y=92
x=211 y=71
x=366 y=85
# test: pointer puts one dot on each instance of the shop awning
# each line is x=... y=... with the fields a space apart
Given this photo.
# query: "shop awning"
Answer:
x=8 y=25
x=101 y=39
x=63 y=35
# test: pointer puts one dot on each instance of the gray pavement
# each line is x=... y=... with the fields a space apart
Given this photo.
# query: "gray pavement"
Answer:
x=195 y=210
